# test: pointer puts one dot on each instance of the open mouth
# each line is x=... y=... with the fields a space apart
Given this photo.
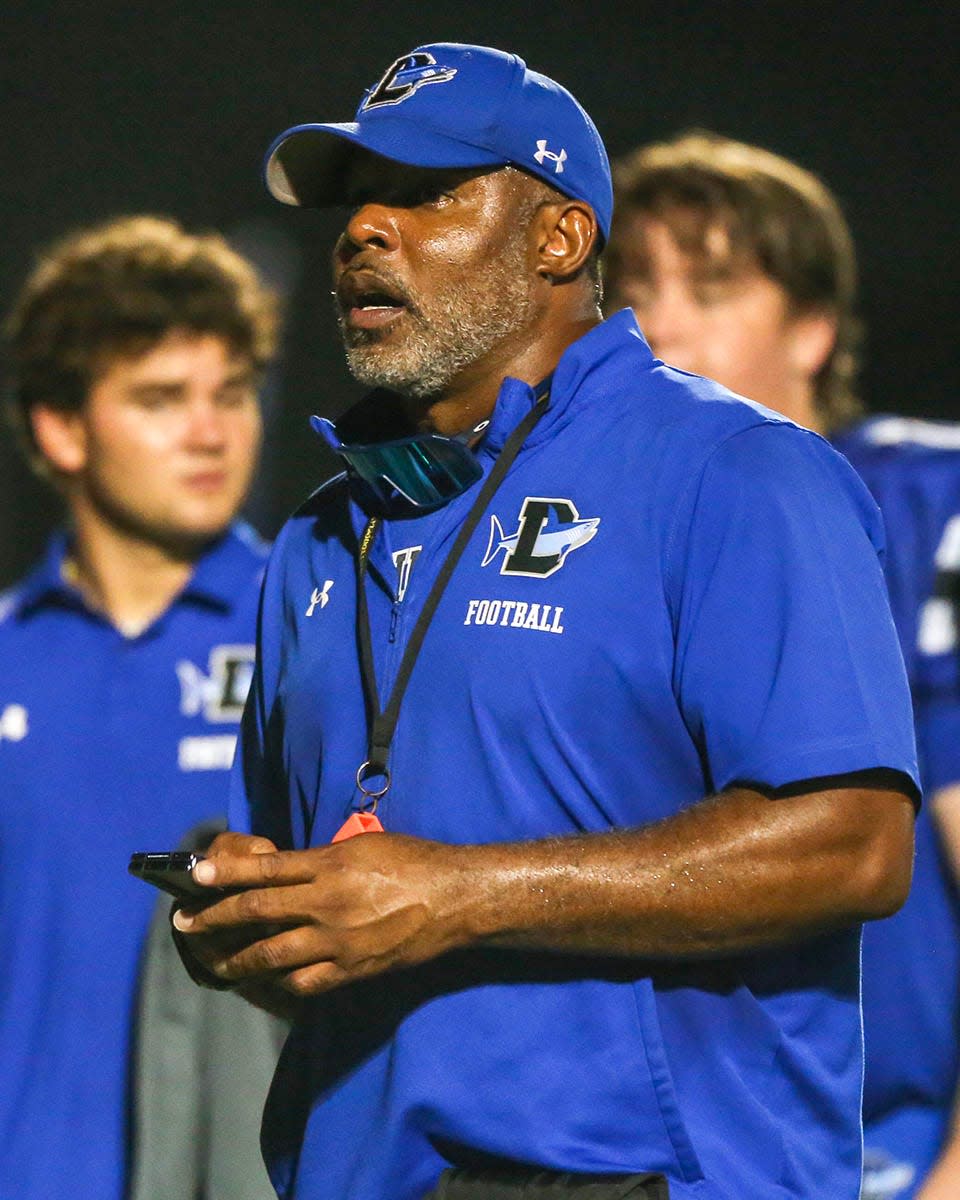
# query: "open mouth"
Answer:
x=368 y=302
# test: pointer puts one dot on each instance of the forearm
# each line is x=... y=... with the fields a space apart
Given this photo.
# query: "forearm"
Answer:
x=735 y=872
x=732 y=873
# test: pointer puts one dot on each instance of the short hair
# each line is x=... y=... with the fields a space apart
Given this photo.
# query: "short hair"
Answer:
x=777 y=214
x=116 y=290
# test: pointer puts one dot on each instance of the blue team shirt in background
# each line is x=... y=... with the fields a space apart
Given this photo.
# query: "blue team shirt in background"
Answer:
x=108 y=744
x=672 y=592
x=911 y=961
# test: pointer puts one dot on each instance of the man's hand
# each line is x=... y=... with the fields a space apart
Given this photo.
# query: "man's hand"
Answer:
x=311 y=920
x=210 y=949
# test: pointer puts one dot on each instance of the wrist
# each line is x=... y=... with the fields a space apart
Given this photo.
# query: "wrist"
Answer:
x=498 y=892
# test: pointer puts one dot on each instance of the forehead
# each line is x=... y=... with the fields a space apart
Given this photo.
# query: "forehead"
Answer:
x=711 y=240
x=178 y=354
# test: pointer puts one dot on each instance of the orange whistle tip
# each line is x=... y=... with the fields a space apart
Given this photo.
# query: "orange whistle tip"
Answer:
x=356 y=823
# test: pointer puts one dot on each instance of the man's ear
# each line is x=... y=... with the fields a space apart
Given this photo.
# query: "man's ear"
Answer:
x=813 y=336
x=566 y=234
x=61 y=438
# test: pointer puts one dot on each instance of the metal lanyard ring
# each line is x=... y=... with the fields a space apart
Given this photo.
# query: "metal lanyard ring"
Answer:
x=371 y=796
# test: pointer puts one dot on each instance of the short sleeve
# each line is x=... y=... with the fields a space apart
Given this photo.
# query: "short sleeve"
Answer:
x=787 y=665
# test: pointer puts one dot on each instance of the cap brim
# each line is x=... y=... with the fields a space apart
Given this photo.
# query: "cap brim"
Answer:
x=306 y=165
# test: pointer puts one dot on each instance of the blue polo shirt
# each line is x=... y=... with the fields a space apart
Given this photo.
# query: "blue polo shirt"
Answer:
x=672 y=592
x=911 y=961
x=108 y=744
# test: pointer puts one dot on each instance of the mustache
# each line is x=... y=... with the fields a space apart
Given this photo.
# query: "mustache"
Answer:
x=377 y=278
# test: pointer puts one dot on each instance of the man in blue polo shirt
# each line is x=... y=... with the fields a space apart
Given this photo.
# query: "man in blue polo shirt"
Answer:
x=607 y=653
x=136 y=350
x=739 y=265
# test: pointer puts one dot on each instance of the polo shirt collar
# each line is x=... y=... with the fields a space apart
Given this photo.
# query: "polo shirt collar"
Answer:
x=584 y=358
x=221 y=574
x=46 y=582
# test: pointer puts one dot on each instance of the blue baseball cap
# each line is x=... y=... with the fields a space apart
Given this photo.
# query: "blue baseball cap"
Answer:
x=452 y=105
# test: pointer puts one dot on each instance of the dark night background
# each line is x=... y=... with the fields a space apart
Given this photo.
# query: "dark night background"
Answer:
x=111 y=108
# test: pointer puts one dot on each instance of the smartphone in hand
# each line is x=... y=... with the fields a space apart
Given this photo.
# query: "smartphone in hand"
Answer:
x=171 y=871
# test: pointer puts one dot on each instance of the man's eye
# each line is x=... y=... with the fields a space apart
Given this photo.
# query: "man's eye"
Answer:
x=152 y=401
x=412 y=198
x=435 y=196
x=235 y=395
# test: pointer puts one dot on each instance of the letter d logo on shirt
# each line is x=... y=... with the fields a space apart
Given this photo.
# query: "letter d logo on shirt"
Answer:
x=549 y=529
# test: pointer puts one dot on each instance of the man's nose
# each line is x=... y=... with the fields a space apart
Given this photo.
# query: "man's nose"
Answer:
x=371 y=225
x=205 y=424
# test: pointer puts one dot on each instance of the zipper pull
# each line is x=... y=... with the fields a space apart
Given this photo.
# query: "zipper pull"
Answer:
x=394 y=622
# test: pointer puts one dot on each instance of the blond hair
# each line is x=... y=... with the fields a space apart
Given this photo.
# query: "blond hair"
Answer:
x=775 y=213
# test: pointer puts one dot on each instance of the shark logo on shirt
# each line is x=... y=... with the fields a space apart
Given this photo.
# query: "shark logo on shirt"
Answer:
x=550 y=528
x=220 y=693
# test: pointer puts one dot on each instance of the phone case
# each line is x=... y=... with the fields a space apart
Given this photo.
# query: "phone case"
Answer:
x=171 y=872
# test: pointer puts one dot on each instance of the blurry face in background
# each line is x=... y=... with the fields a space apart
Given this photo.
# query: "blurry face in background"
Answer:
x=165 y=447
x=711 y=311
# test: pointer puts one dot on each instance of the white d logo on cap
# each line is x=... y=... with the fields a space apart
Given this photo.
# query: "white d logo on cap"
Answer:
x=404 y=77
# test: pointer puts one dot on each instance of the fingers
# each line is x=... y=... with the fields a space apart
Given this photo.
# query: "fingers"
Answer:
x=286 y=905
x=228 y=867
x=312 y=980
x=296 y=959
x=314 y=919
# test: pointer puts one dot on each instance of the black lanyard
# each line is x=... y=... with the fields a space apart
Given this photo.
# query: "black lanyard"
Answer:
x=383 y=722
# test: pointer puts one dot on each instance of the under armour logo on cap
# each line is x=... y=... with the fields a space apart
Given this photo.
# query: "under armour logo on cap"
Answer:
x=557 y=159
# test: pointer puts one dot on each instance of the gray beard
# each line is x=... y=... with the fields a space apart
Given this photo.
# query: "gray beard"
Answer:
x=453 y=329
